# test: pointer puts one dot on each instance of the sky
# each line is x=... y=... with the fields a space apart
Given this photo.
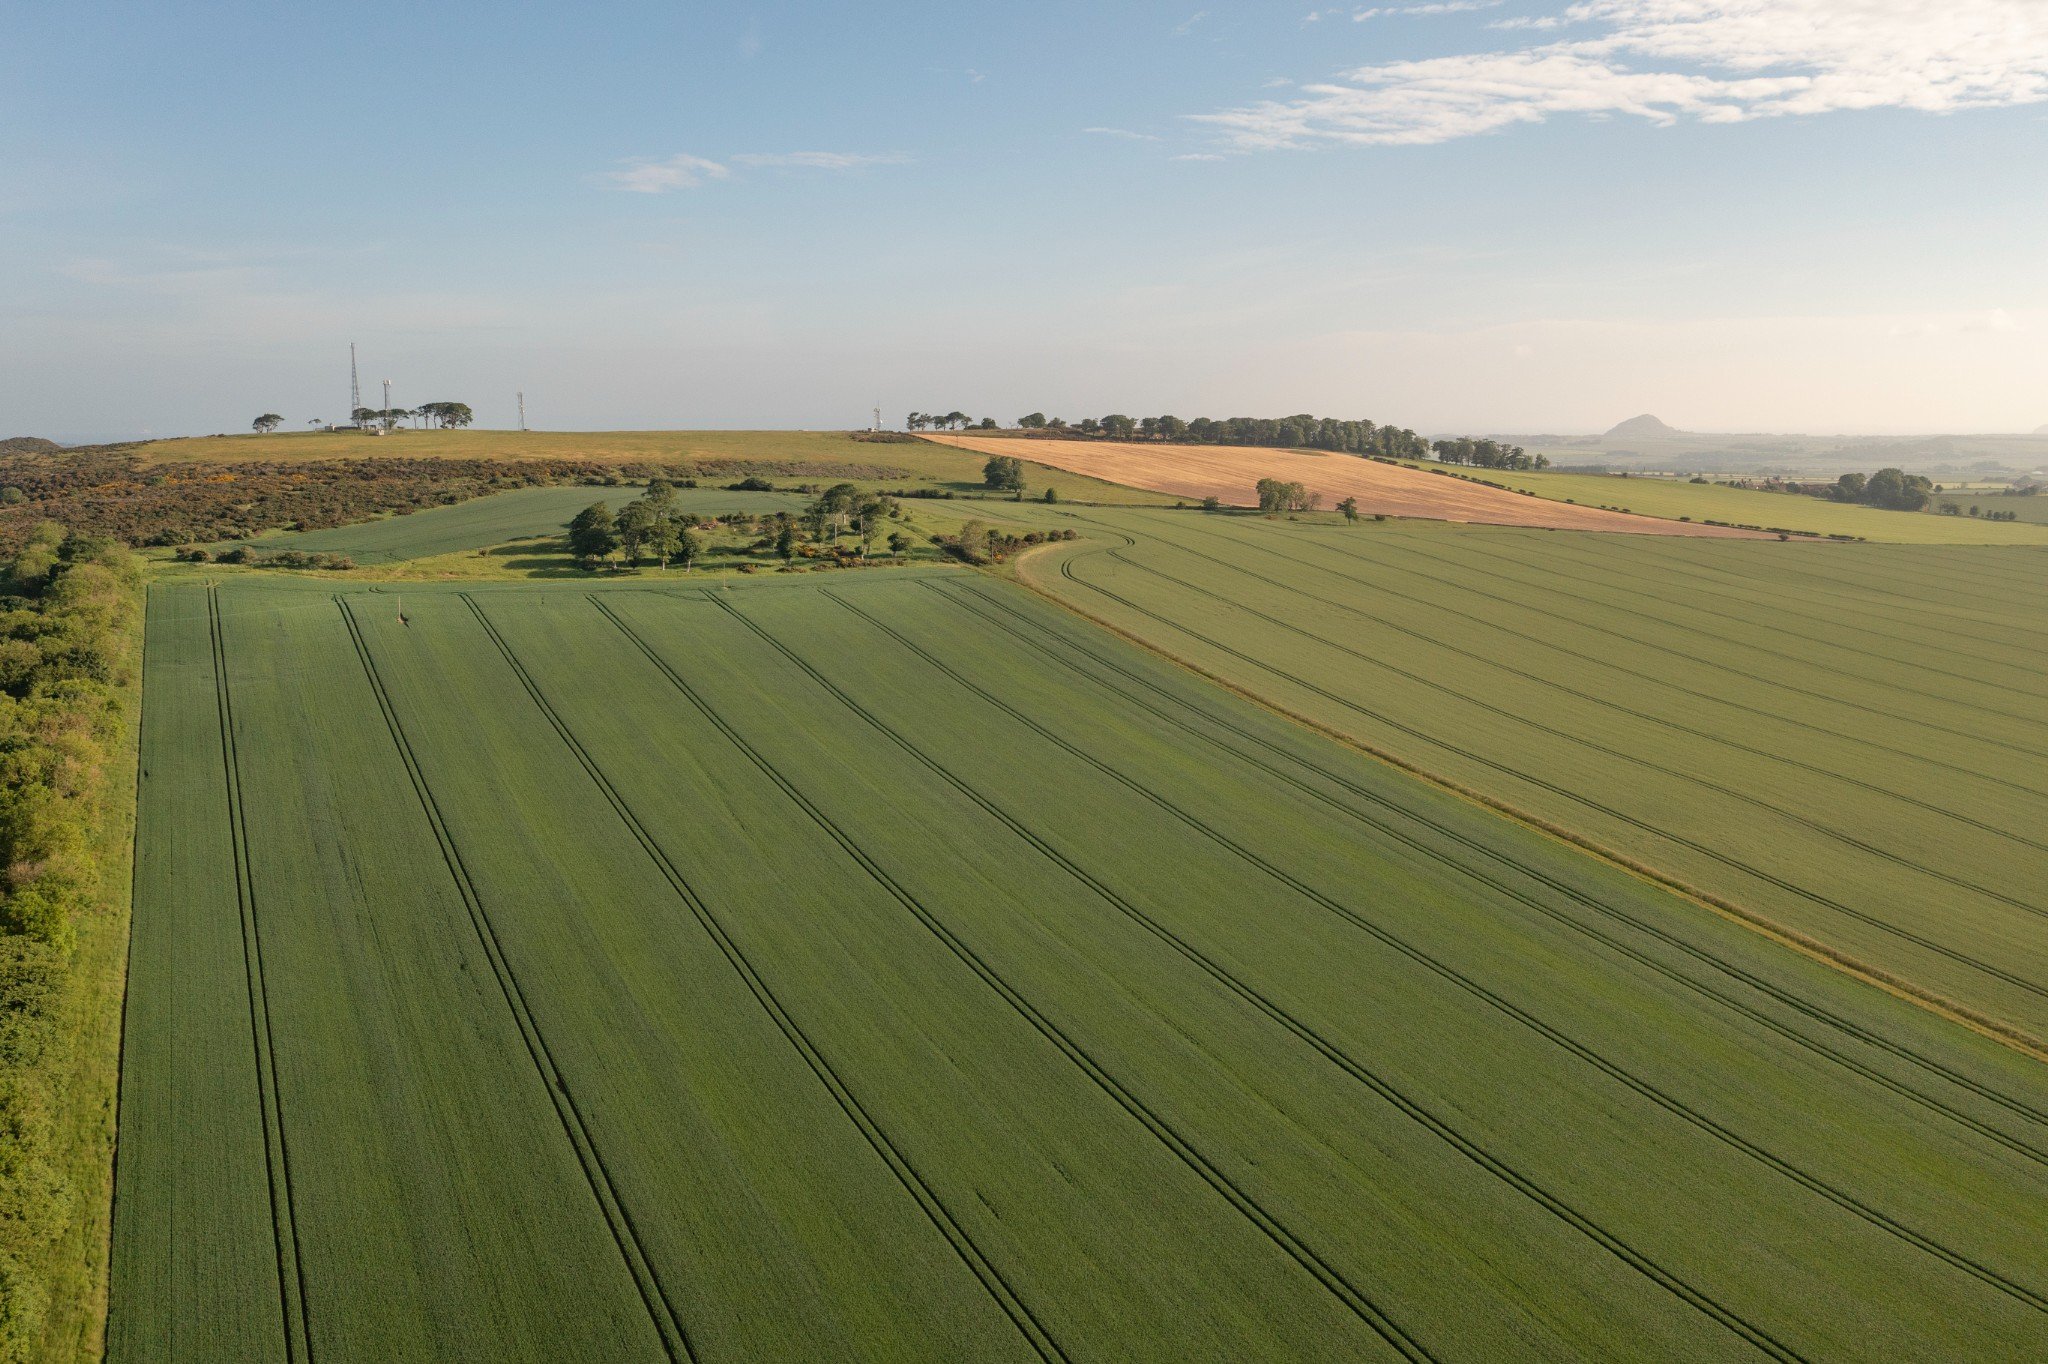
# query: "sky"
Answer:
x=1455 y=215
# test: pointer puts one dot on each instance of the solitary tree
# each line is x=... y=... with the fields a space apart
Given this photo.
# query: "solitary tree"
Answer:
x=267 y=423
x=1349 y=506
x=1003 y=472
x=1032 y=421
x=594 y=534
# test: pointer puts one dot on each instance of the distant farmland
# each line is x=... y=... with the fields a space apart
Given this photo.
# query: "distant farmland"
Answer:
x=529 y=982
x=1848 y=740
x=1228 y=473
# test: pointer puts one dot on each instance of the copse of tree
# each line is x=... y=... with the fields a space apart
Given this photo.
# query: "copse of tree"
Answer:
x=1277 y=495
x=266 y=423
x=1487 y=454
x=445 y=414
x=919 y=421
x=1892 y=489
x=1004 y=473
x=1032 y=421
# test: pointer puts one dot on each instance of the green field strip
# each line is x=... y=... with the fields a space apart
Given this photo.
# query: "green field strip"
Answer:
x=1548 y=590
x=291 y=1271
x=1372 y=809
x=991 y=1279
x=936 y=707
x=1627 y=1254
x=1545 y=586
x=2030 y=1012
x=1443 y=605
x=661 y=1310
x=1274 y=1147
x=2018 y=902
x=1817 y=628
x=1902 y=570
x=195 y=1242
x=1816 y=634
x=1304 y=1255
x=1029 y=1134
x=1670 y=1103
x=1485 y=661
x=436 y=1201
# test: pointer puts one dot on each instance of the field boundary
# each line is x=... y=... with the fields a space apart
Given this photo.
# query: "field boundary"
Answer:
x=667 y=1322
x=1985 y=1025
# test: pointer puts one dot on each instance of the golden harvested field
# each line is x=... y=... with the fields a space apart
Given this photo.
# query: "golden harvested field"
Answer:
x=1227 y=472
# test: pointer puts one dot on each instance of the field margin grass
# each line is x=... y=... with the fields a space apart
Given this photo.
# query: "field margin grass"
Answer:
x=94 y=1015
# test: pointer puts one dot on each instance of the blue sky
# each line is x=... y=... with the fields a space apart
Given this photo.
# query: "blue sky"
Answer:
x=1817 y=215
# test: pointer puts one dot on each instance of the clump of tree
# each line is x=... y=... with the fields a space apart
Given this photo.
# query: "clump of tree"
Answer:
x=444 y=414
x=69 y=624
x=1005 y=473
x=1278 y=495
x=1487 y=454
x=266 y=423
x=1892 y=489
x=955 y=420
x=979 y=543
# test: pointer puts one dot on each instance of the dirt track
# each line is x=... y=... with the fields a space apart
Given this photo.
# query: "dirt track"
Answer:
x=1227 y=472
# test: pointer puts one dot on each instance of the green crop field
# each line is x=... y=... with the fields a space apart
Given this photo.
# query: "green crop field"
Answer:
x=1674 y=498
x=528 y=980
x=2028 y=509
x=497 y=519
x=1847 y=740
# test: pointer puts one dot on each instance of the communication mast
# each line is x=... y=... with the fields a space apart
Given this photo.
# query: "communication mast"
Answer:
x=876 y=424
x=522 y=409
x=355 y=387
x=387 y=404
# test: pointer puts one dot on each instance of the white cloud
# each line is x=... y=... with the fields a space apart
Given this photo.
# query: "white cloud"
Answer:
x=1433 y=7
x=1124 y=133
x=1717 y=61
x=647 y=175
x=652 y=175
x=1187 y=24
x=833 y=161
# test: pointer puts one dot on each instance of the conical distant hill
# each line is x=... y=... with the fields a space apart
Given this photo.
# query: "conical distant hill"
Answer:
x=1645 y=425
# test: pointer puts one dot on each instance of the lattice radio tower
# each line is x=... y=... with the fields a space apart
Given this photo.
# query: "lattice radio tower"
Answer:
x=522 y=409
x=355 y=386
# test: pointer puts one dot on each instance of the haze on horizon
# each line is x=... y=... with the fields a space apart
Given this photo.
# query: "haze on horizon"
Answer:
x=1505 y=215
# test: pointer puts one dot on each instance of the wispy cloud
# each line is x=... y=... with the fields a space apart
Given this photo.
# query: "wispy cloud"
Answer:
x=832 y=161
x=1124 y=133
x=661 y=175
x=648 y=175
x=1716 y=61
x=1359 y=16
x=1187 y=25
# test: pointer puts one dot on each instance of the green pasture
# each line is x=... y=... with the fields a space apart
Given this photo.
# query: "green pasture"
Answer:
x=892 y=966
x=1676 y=498
x=1848 y=740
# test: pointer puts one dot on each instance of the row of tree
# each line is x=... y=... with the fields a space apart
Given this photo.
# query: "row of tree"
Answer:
x=426 y=414
x=1301 y=431
x=951 y=421
x=1487 y=454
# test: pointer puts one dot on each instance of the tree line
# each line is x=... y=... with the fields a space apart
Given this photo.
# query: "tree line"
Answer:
x=1302 y=431
x=69 y=627
x=1487 y=454
x=442 y=415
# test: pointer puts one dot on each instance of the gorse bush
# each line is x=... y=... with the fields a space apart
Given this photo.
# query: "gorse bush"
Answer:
x=67 y=628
